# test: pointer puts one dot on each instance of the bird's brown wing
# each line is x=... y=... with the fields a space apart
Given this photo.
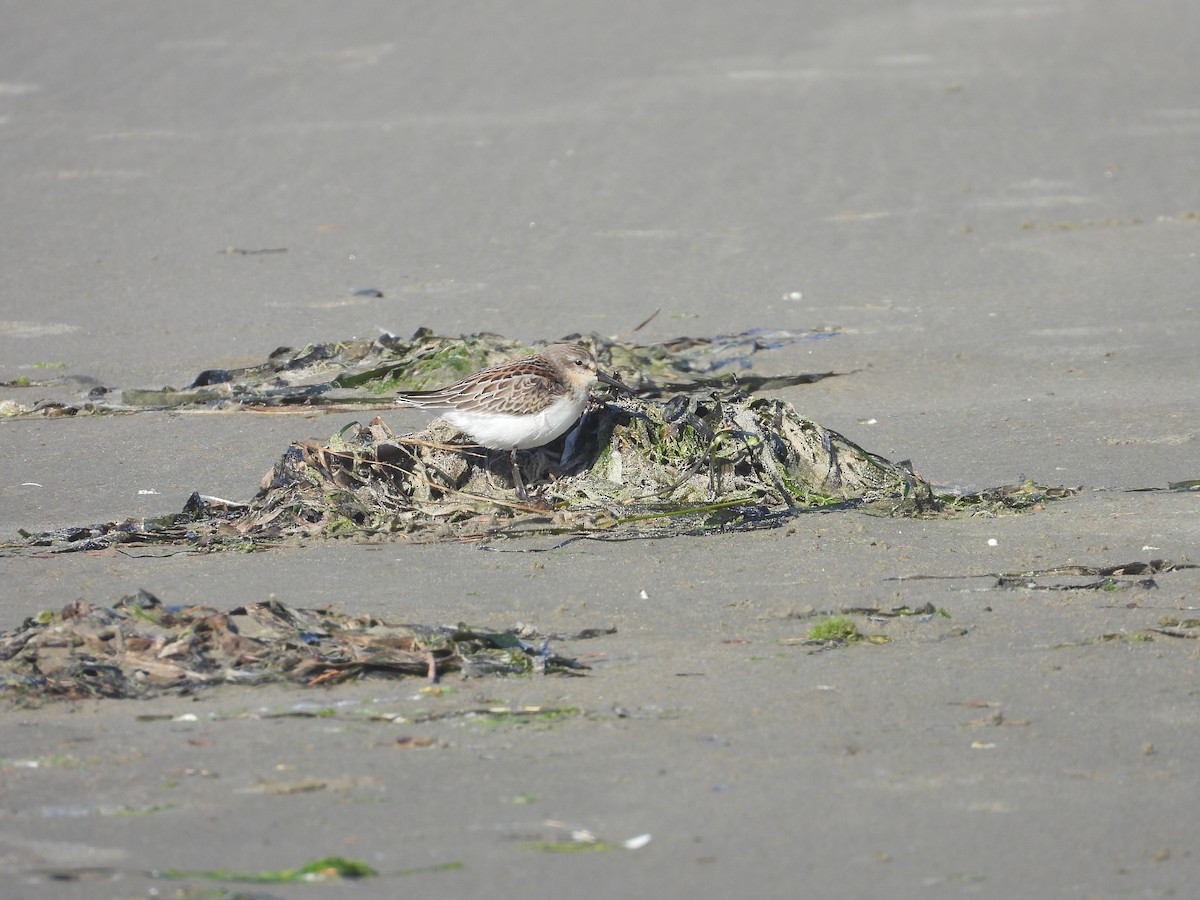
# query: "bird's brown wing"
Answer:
x=523 y=386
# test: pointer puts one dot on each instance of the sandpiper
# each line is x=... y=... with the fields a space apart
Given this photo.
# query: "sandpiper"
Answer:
x=517 y=405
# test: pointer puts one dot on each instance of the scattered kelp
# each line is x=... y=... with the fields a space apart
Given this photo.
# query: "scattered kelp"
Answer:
x=1171 y=626
x=1019 y=583
x=361 y=372
x=1100 y=578
x=1152 y=567
x=924 y=612
x=140 y=648
x=1073 y=577
x=1023 y=495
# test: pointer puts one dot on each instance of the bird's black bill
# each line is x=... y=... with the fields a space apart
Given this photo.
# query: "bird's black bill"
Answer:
x=608 y=379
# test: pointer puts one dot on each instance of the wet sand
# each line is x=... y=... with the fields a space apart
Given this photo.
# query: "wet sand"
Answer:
x=995 y=207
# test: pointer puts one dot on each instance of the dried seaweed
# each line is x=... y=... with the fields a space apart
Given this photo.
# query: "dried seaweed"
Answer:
x=1058 y=578
x=687 y=455
x=632 y=468
x=1067 y=577
x=140 y=648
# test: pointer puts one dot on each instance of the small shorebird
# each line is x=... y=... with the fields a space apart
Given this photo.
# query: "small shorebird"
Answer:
x=520 y=404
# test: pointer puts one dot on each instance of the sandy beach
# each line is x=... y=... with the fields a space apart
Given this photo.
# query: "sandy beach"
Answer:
x=994 y=207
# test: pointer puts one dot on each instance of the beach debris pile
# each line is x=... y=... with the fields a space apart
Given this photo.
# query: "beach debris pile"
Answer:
x=688 y=453
x=633 y=468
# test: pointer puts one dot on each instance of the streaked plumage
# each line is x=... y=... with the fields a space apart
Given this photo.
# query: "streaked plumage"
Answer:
x=520 y=404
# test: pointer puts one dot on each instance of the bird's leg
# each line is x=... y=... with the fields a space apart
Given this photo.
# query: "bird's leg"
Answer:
x=517 y=482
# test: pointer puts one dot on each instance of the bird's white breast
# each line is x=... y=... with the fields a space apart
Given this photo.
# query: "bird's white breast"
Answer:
x=500 y=431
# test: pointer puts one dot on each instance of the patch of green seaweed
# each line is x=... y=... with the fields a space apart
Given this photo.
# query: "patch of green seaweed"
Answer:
x=326 y=869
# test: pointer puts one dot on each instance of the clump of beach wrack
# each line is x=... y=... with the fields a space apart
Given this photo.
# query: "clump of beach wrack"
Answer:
x=691 y=451
x=141 y=648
